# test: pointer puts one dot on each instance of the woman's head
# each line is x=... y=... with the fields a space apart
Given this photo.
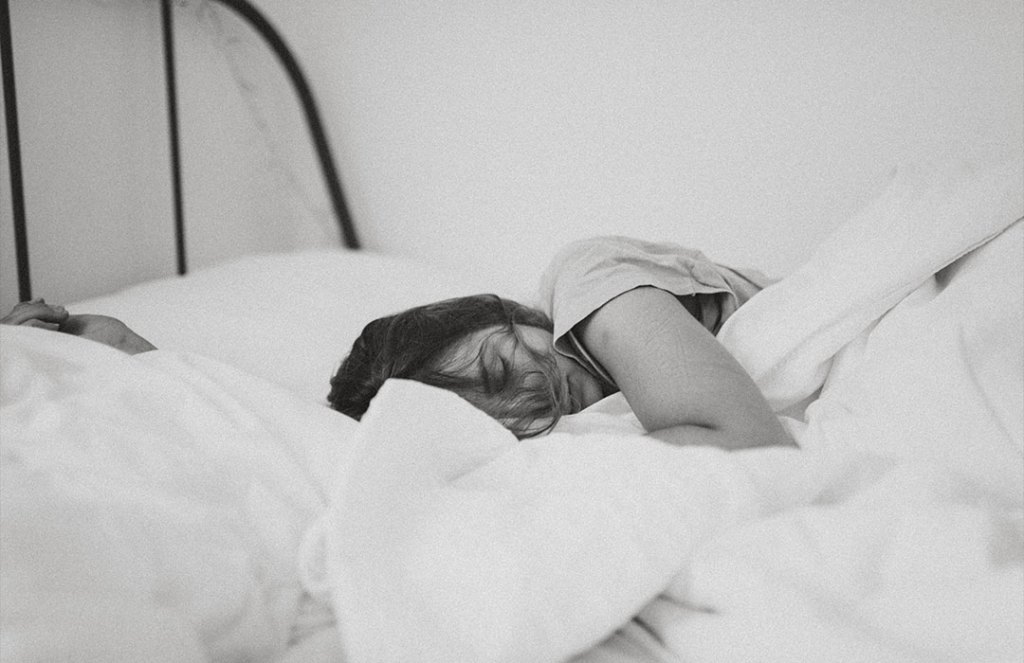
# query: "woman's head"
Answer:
x=494 y=352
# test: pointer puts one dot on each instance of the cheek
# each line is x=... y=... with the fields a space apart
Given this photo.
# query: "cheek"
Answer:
x=566 y=367
x=592 y=392
x=584 y=386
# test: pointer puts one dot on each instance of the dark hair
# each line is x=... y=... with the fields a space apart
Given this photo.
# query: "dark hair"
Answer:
x=419 y=344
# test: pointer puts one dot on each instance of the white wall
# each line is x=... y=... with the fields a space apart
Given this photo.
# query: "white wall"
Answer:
x=491 y=133
x=748 y=129
x=95 y=149
x=250 y=177
x=88 y=109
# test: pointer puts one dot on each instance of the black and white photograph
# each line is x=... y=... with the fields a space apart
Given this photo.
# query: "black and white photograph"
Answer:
x=541 y=331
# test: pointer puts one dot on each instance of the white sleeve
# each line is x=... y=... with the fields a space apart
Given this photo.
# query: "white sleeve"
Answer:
x=588 y=273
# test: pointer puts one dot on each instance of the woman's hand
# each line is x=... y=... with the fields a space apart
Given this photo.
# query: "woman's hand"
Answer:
x=36 y=313
x=108 y=331
x=100 y=328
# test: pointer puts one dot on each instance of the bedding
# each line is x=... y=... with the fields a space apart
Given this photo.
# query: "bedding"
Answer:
x=172 y=488
x=152 y=505
x=894 y=534
x=287 y=318
x=200 y=503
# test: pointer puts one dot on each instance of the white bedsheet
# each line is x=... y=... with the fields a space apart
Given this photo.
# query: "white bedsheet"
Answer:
x=895 y=534
x=152 y=506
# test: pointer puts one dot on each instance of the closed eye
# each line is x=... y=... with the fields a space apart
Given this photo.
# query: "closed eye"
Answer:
x=495 y=370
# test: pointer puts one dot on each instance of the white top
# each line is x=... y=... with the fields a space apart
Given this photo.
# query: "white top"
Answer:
x=587 y=274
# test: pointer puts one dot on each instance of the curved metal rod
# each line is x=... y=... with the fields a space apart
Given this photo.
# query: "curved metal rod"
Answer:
x=244 y=9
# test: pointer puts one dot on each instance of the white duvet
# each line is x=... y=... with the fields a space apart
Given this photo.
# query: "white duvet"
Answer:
x=152 y=506
x=895 y=534
x=167 y=507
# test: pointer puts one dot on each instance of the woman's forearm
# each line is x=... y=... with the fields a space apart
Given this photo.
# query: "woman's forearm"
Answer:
x=100 y=328
x=678 y=379
x=108 y=331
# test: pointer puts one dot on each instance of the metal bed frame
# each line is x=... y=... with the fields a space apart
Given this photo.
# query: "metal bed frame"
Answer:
x=284 y=54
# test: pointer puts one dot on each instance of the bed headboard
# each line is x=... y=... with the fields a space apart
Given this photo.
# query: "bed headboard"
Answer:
x=273 y=40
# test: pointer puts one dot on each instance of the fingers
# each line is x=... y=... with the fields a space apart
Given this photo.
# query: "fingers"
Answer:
x=35 y=313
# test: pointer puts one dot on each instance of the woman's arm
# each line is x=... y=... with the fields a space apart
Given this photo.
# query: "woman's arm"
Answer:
x=682 y=384
x=108 y=331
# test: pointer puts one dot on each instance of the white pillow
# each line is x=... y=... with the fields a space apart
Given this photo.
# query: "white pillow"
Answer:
x=289 y=318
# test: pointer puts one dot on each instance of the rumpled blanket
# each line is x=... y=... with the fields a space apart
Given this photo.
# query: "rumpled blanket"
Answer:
x=151 y=507
x=894 y=534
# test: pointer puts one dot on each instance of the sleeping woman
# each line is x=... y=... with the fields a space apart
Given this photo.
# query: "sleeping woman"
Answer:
x=616 y=314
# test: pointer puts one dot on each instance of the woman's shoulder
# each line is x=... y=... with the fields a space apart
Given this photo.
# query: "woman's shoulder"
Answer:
x=605 y=254
x=610 y=250
x=588 y=272
x=620 y=244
